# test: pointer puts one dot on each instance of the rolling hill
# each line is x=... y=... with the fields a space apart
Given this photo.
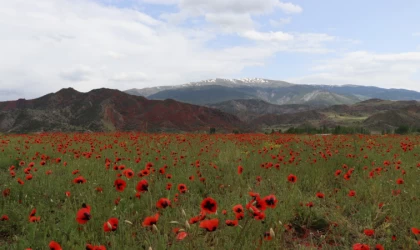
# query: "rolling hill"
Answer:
x=109 y=110
x=249 y=109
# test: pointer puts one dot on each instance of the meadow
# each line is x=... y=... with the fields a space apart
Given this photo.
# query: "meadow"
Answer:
x=196 y=191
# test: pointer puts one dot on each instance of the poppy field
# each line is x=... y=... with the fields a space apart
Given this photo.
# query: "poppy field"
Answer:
x=195 y=191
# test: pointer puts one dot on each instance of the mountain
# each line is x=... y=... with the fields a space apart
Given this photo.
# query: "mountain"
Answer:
x=276 y=92
x=109 y=110
x=372 y=114
x=273 y=92
x=249 y=109
x=389 y=119
x=369 y=92
x=312 y=117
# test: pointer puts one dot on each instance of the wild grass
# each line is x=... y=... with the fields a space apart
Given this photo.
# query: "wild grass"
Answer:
x=335 y=222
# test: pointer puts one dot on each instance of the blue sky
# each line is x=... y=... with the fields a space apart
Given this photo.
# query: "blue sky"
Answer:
x=123 y=44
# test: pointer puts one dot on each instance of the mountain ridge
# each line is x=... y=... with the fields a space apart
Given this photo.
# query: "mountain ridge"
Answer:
x=109 y=110
x=273 y=91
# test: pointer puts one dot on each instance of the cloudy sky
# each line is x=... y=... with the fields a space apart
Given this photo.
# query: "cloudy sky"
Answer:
x=46 y=45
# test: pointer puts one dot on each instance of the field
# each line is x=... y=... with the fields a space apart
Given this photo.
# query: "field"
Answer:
x=190 y=191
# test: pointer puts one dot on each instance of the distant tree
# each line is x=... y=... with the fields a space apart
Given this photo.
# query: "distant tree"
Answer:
x=402 y=130
x=212 y=131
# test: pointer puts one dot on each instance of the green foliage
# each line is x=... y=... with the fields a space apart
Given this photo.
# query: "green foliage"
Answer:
x=336 y=221
x=324 y=130
x=402 y=130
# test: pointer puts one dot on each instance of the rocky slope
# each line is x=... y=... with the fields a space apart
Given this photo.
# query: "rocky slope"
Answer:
x=109 y=110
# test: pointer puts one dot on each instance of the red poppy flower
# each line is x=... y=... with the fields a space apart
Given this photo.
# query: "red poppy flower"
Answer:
x=270 y=201
x=347 y=176
x=120 y=185
x=209 y=205
x=415 y=231
x=79 y=180
x=128 y=173
x=6 y=192
x=232 y=223
x=238 y=209
x=68 y=194
x=142 y=186
x=169 y=186
x=260 y=204
x=163 y=203
x=359 y=246
x=379 y=247
x=369 y=232
x=181 y=235
x=34 y=219
x=198 y=218
x=54 y=246
x=292 y=178
x=91 y=247
x=111 y=225
x=210 y=225
x=28 y=177
x=162 y=170
x=83 y=215
x=20 y=181
x=151 y=220
x=320 y=195
x=309 y=204
x=4 y=217
x=33 y=212
x=267 y=236
x=351 y=193
x=240 y=169
x=400 y=181
x=254 y=195
x=182 y=188
x=239 y=216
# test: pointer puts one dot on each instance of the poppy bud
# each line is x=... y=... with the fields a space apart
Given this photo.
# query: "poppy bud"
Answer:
x=183 y=212
x=155 y=228
x=129 y=222
x=187 y=225
x=272 y=234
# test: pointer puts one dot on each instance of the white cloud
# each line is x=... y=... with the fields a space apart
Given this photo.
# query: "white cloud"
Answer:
x=398 y=70
x=416 y=34
x=47 y=45
x=229 y=22
x=164 y=2
x=78 y=74
x=231 y=13
x=280 y=22
x=268 y=36
x=289 y=7
x=130 y=77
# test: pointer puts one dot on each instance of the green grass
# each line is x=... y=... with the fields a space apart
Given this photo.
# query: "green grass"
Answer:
x=296 y=226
